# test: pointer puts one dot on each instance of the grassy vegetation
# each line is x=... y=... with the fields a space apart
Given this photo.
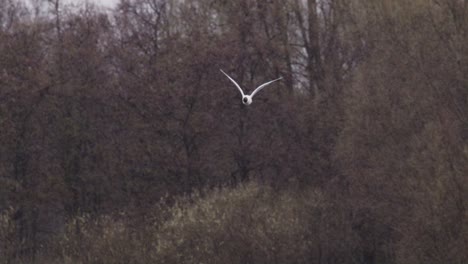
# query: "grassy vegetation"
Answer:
x=247 y=224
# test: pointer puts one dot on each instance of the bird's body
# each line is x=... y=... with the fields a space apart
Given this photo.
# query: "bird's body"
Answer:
x=246 y=98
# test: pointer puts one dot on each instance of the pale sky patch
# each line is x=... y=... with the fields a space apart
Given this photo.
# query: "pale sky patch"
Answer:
x=103 y=3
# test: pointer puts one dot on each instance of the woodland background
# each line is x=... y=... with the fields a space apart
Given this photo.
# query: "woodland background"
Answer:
x=122 y=142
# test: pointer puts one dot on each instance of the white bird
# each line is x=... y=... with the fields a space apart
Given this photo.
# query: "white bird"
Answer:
x=247 y=99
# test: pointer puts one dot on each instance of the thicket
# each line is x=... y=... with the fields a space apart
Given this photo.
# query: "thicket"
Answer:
x=121 y=142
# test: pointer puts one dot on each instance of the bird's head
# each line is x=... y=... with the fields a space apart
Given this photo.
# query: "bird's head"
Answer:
x=247 y=99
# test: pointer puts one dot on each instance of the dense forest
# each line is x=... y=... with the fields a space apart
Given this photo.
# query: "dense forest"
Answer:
x=122 y=142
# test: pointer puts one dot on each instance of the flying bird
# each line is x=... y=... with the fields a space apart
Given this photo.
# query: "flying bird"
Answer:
x=247 y=99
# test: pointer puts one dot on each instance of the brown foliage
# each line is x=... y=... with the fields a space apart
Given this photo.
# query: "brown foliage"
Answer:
x=104 y=113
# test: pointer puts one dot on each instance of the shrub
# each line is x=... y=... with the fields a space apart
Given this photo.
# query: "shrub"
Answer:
x=249 y=224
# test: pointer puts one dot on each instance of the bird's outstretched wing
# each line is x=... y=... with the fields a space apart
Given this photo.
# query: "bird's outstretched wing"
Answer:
x=232 y=80
x=263 y=85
